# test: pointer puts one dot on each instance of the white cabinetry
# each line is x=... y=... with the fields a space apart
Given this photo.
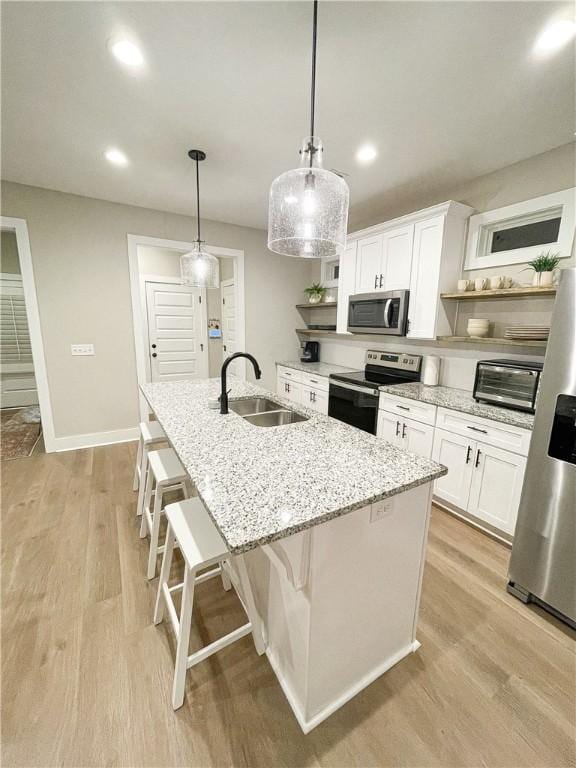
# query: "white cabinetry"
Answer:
x=482 y=480
x=496 y=486
x=346 y=285
x=303 y=389
x=421 y=252
x=369 y=264
x=408 y=434
x=397 y=257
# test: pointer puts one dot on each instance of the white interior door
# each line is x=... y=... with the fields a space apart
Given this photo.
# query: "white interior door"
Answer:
x=229 y=323
x=177 y=346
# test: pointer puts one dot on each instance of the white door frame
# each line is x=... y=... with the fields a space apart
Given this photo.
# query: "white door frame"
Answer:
x=20 y=229
x=225 y=284
x=136 y=292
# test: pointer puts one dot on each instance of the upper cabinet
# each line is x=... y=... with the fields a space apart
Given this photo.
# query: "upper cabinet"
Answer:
x=383 y=260
x=421 y=252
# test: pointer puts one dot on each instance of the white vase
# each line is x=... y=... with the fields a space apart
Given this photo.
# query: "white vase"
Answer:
x=546 y=278
x=314 y=298
x=536 y=279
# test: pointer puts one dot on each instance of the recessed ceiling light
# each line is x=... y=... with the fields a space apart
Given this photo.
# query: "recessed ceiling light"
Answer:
x=128 y=53
x=116 y=157
x=556 y=35
x=366 y=154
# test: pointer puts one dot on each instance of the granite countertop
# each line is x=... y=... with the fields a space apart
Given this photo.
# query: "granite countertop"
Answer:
x=459 y=400
x=320 y=369
x=262 y=484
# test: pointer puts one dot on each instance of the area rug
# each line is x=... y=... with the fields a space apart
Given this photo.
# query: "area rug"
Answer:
x=20 y=430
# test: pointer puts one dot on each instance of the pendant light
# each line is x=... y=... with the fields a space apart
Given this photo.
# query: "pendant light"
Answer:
x=308 y=208
x=199 y=268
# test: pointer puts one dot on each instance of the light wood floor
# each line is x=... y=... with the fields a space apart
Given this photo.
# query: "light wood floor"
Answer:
x=87 y=677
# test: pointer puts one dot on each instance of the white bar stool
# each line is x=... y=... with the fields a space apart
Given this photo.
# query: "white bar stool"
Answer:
x=151 y=436
x=190 y=526
x=165 y=473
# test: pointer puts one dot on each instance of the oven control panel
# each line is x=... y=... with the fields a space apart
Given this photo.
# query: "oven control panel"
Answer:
x=394 y=360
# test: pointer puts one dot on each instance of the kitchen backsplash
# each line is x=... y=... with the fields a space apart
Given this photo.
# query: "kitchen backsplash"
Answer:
x=458 y=365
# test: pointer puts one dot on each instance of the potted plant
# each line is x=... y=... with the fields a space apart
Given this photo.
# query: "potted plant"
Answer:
x=315 y=293
x=544 y=265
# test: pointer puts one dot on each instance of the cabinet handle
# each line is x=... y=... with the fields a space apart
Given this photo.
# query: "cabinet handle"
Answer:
x=375 y=281
x=403 y=407
x=403 y=430
x=468 y=454
x=477 y=462
x=314 y=381
x=477 y=429
x=380 y=283
x=397 y=428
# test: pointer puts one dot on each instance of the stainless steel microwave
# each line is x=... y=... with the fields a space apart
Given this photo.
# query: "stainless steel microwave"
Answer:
x=384 y=312
x=508 y=383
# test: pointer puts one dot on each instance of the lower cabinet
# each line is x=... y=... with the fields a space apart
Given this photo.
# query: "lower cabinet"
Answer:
x=303 y=394
x=407 y=434
x=482 y=480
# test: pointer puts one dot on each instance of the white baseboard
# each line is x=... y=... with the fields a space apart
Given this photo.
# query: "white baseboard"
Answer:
x=308 y=724
x=73 y=442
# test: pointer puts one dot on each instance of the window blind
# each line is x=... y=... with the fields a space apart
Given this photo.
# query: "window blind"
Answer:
x=14 y=333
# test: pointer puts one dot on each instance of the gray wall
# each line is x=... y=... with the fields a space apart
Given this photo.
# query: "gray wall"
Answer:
x=9 y=260
x=80 y=260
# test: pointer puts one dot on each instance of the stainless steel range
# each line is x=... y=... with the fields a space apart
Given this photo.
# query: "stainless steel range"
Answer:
x=353 y=397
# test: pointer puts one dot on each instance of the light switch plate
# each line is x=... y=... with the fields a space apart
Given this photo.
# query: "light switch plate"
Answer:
x=82 y=349
x=381 y=509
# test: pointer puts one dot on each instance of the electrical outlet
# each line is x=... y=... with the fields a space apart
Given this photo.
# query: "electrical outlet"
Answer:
x=82 y=349
x=381 y=509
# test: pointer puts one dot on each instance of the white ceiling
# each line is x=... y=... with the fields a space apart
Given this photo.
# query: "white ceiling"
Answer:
x=446 y=91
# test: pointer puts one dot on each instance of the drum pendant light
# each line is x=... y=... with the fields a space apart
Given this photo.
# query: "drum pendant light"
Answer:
x=198 y=268
x=308 y=207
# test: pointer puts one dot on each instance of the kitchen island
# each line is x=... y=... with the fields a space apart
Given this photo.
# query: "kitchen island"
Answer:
x=332 y=524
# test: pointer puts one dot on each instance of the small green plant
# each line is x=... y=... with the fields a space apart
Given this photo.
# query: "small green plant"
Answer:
x=544 y=262
x=316 y=289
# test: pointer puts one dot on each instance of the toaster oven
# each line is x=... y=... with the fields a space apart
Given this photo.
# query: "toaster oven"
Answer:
x=508 y=383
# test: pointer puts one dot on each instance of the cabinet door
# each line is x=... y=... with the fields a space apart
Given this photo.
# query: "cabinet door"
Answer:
x=496 y=486
x=417 y=437
x=457 y=453
x=389 y=428
x=369 y=265
x=321 y=401
x=290 y=389
x=425 y=277
x=397 y=257
x=346 y=285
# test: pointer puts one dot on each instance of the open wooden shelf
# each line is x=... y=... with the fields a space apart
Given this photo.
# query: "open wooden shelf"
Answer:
x=500 y=293
x=322 y=305
x=378 y=338
x=490 y=340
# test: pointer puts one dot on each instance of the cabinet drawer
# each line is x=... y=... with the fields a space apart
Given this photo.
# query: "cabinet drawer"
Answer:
x=314 y=381
x=494 y=433
x=413 y=409
x=289 y=373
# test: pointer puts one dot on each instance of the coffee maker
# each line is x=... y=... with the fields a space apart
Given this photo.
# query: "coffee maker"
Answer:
x=311 y=352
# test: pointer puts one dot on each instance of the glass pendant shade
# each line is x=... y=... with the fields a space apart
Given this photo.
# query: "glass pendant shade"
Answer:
x=200 y=269
x=308 y=208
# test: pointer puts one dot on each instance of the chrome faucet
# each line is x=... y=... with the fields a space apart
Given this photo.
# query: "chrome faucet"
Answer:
x=224 y=393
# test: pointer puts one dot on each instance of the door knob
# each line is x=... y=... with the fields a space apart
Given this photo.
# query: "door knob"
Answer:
x=154 y=354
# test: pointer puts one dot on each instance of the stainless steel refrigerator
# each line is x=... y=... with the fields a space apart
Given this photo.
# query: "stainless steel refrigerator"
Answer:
x=543 y=563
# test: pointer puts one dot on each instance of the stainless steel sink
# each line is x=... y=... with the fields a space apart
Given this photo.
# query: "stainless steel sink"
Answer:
x=275 y=418
x=253 y=405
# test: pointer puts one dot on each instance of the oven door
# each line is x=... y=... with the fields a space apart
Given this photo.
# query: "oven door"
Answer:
x=354 y=405
x=385 y=312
